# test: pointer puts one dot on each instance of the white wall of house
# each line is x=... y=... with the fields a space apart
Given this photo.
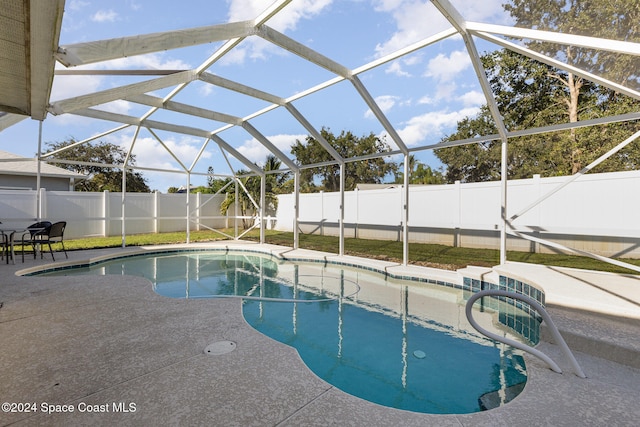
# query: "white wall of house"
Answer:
x=26 y=182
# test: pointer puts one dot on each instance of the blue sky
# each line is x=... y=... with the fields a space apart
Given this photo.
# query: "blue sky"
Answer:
x=423 y=94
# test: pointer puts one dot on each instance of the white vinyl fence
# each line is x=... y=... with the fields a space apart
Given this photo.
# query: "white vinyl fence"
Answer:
x=100 y=214
x=596 y=213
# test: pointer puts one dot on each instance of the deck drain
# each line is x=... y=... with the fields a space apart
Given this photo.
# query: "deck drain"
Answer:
x=220 y=347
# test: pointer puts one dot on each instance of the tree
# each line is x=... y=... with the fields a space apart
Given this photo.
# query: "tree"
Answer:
x=274 y=183
x=372 y=170
x=614 y=19
x=532 y=94
x=100 y=178
x=611 y=19
x=215 y=184
x=419 y=173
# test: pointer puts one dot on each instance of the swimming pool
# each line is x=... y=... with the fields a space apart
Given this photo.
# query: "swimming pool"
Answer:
x=398 y=343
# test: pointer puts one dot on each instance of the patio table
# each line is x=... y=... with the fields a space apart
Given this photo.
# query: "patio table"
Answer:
x=8 y=241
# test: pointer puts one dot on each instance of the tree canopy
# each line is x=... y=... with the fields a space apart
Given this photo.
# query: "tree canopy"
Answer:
x=531 y=94
x=101 y=178
x=275 y=183
x=611 y=19
x=419 y=173
x=347 y=145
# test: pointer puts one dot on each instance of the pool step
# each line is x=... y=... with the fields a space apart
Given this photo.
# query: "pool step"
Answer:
x=599 y=335
x=494 y=399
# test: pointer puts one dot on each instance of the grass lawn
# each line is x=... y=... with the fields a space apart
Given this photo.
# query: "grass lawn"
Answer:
x=431 y=255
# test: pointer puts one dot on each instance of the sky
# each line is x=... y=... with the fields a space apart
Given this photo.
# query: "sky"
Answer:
x=423 y=94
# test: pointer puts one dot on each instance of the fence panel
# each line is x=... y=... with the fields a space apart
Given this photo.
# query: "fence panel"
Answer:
x=597 y=208
x=84 y=212
x=596 y=212
x=18 y=208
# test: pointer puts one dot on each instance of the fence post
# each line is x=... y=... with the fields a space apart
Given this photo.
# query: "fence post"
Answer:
x=156 y=209
x=106 y=223
x=322 y=213
x=537 y=190
x=42 y=206
x=356 y=194
x=198 y=212
x=457 y=215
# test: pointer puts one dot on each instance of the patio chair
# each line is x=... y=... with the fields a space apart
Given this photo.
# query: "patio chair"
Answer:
x=35 y=234
x=54 y=234
x=4 y=245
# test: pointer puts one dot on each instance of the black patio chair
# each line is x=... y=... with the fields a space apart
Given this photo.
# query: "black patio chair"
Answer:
x=54 y=234
x=4 y=245
x=34 y=236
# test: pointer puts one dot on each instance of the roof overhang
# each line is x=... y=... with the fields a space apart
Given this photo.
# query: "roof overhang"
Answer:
x=29 y=37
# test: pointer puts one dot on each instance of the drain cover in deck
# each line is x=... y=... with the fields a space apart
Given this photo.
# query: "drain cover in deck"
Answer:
x=220 y=347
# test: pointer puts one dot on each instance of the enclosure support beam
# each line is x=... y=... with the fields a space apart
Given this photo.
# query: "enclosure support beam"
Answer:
x=503 y=202
x=235 y=209
x=341 y=221
x=263 y=201
x=405 y=228
x=124 y=193
x=296 y=209
x=188 y=207
x=38 y=176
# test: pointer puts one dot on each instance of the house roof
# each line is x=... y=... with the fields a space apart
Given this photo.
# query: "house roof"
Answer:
x=12 y=164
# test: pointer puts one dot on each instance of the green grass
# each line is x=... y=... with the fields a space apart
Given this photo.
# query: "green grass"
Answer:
x=439 y=256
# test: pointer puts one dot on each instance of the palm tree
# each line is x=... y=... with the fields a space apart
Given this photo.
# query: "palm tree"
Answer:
x=274 y=182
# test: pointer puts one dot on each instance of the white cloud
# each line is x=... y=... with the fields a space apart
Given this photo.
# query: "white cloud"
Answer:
x=432 y=125
x=396 y=68
x=411 y=16
x=286 y=20
x=153 y=61
x=77 y=4
x=426 y=100
x=105 y=16
x=484 y=11
x=257 y=153
x=445 y=68
x=65 y=87
x=473 y=99
x=71 y=86
x=119 y=107
x=446 y=91
x=205 y=89
x=150 y=153
x=385 y=102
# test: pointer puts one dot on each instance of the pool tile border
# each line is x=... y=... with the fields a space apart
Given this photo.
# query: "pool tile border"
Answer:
x=526 y=326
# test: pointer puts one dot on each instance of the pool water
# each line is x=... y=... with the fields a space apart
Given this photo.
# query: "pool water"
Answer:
x=397 y=343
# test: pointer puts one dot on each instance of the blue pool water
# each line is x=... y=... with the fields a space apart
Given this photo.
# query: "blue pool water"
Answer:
x=395 y=343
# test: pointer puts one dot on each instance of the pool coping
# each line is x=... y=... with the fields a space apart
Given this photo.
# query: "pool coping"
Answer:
x=457 y=280
x=464 y=280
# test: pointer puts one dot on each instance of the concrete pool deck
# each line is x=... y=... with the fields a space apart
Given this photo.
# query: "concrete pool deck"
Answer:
x=112 y=344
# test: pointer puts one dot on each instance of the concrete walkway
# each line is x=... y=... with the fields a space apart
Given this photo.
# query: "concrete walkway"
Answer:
x=113 y=351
